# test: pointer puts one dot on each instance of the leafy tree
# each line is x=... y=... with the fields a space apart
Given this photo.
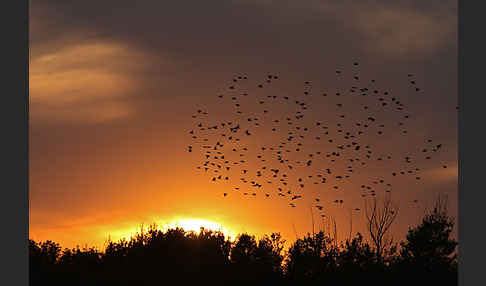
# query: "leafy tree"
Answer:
x=356 y=255
x=260 y=260
x=269 y=253
x=76 y=257
x=43 y=260
x=244 y=250
x=429 y=245
x=45 y=253
x=310 y=257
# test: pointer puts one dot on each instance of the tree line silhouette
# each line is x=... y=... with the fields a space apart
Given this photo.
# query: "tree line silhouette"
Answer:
x=427 y=256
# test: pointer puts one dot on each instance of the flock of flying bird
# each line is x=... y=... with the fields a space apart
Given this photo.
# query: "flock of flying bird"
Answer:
x=273 y=146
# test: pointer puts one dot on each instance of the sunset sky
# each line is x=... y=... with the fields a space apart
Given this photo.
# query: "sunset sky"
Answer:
x=113 y=85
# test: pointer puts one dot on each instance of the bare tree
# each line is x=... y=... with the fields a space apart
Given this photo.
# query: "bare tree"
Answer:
x=350 y=224
x=440 y=206
x=330 y=229
x=379 y=220
x=295 y=231
x=335 y=237
x=312 y=217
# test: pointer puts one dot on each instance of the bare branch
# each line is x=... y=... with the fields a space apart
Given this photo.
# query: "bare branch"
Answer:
x=379 y=223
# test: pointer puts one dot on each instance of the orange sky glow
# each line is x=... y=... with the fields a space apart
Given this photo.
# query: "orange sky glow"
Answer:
x=110 y=114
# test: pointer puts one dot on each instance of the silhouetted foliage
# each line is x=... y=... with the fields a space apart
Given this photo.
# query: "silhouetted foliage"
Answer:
x=356 y=255
x=311 y=257
x=257 y=260
x=428 y=248
x=178 y=257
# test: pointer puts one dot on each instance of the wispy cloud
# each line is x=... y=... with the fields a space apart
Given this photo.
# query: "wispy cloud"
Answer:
x=441 y=175
x=403 y=31
x=392 y=28
x=82 y=83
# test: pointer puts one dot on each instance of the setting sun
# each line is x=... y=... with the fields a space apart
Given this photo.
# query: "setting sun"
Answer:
x=189 y=224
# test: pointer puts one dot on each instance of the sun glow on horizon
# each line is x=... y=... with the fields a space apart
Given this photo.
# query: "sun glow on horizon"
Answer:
x=187 y=224
x=191 y=224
